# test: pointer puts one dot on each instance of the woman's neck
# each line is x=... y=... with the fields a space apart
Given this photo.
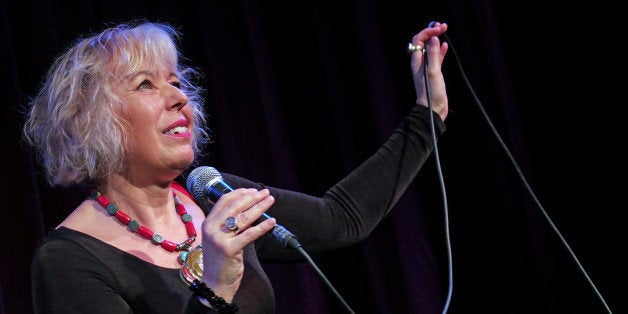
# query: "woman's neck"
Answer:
x=152 y=204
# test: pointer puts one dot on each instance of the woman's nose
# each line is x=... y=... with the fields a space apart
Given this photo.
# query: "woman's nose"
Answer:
x=178 y=98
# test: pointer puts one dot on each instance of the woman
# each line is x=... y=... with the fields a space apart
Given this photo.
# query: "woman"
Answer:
x=120 y=114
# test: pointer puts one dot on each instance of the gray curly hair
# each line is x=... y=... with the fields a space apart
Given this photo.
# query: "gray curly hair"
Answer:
x=72 y=122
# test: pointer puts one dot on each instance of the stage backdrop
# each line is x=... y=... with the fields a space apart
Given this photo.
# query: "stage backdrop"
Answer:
x=301 y=92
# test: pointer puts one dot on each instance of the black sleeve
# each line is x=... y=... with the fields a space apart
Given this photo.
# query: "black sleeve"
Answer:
x=352 y=208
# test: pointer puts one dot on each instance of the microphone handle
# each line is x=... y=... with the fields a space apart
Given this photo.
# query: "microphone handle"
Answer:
x=216 y=190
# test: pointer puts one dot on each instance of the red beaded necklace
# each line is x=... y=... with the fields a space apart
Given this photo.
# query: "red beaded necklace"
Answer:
x=135 y=227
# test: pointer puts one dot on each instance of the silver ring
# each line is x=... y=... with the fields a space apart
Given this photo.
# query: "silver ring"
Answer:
x=414 y=48
x=232 y=224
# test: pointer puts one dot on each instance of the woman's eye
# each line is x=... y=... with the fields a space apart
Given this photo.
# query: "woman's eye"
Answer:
x=176 y=84
x=145 y=84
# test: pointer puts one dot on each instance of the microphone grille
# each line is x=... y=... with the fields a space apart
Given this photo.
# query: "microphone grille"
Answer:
x=199 y=178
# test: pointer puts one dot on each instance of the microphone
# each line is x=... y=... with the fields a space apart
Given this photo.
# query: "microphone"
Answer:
x=207 y=186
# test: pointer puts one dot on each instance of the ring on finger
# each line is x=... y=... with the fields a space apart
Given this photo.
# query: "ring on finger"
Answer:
x=414 y=48
x=232 y=224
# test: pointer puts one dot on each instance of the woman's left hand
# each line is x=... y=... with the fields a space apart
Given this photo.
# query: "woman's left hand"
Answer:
x=432 y=52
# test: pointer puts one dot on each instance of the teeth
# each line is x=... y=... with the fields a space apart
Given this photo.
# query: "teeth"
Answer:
x=177 y=130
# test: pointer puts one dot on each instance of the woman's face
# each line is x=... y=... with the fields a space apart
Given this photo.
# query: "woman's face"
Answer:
x=159 y=124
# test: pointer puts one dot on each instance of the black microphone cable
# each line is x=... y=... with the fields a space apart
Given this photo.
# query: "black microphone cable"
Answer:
x=324 y=278
x=441 y=179
x=295 y=245
x=519 y=172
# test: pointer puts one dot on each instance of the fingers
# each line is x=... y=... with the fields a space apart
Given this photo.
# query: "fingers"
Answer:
x=245 y=206
x=436 y=29
x=424 y=39
x=235 y=213
x=434 y=54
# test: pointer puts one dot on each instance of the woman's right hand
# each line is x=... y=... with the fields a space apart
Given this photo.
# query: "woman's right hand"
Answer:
x=223 y=259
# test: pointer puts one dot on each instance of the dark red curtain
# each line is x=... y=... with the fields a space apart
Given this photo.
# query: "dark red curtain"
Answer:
x=301 y=92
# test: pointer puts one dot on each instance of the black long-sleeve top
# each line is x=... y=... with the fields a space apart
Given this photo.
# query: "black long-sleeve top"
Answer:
x=72 y=272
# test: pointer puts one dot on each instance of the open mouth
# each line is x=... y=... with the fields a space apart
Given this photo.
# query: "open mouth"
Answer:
x=177 y=130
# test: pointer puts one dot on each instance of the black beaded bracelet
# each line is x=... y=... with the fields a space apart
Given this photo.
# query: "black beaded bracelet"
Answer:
x=201 y=290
